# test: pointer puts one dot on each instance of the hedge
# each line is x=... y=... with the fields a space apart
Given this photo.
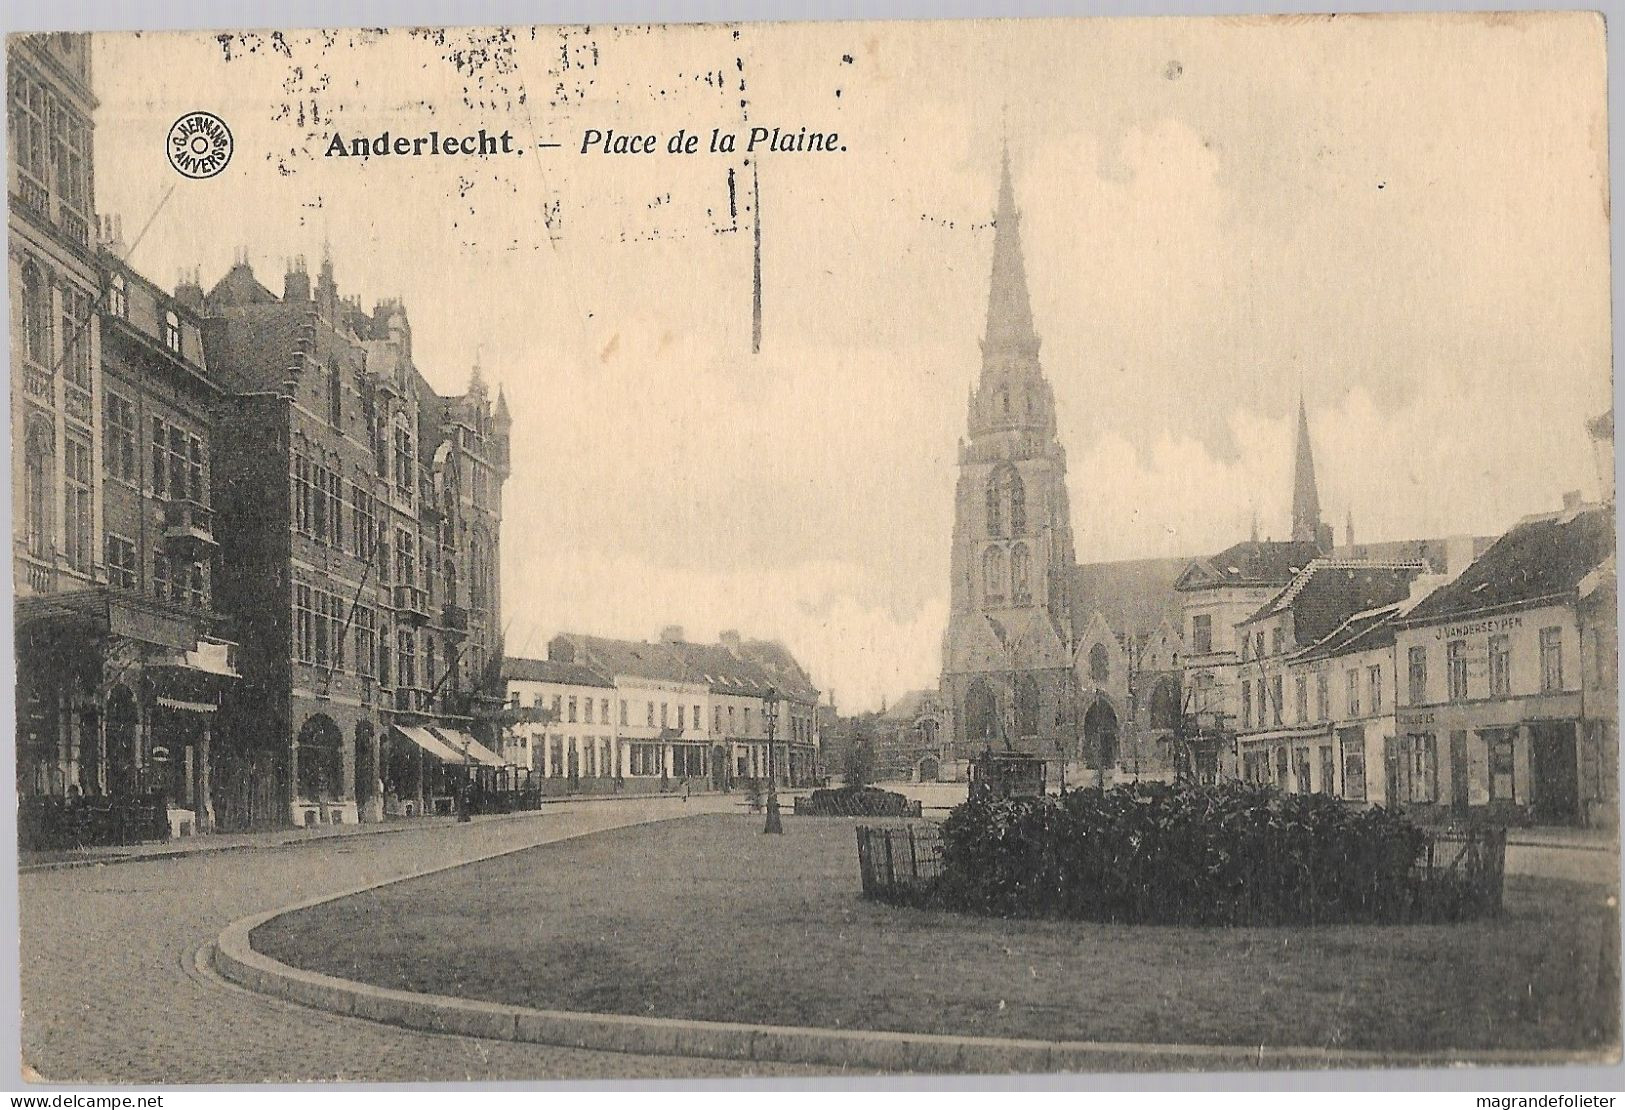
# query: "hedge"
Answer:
x=1232 y=854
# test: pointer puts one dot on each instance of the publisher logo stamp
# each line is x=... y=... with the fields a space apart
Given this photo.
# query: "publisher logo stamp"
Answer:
x=199 y=145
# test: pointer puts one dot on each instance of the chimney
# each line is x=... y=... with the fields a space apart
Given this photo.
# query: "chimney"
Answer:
x=189 y=290
x=671 y=634
x=296 y=283
x=110 y=233
x=1601 y=430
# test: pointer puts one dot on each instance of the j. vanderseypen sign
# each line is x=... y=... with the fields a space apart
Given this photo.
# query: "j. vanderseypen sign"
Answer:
x=724 y=498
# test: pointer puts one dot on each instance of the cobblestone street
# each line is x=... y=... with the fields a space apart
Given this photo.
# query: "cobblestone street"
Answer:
x=112 y=991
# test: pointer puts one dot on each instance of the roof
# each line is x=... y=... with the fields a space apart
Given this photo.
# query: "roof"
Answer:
x=1541 y=557
x=1250 y=563
x=634 y=658
x=781 y=667
x=1329 y=591
x=1373 y=628
x=722 y=670
x=552 y=670
x=1133 y=595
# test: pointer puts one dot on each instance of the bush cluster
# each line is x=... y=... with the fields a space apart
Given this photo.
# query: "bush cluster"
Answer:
x=867 y=801
x=1233 y=854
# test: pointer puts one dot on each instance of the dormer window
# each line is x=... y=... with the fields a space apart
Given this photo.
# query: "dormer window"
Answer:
x=172 y=330
x=118 y=300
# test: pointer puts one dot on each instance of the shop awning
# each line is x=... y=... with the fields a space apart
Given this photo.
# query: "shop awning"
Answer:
x=431 y=744
x=460 y=742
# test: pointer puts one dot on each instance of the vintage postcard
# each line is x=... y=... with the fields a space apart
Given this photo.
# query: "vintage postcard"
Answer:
x=844 y=549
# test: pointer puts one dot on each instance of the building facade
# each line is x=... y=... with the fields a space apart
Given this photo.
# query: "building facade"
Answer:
x=360 y=521
x=1491 y=718
x=570 y=740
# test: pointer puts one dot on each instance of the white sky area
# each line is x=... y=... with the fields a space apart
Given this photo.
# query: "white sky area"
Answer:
x=1405 y=217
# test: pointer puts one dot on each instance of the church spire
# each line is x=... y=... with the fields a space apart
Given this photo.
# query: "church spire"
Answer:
x=1010 y=331
x=1305 y=496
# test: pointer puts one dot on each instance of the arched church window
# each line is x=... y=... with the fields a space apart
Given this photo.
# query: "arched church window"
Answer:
x=1021 y=568
x=1099 y=663
x=1018 y=503
x=1027 y=706
x=995 y=511
x=993 y=574
x=1164 y=704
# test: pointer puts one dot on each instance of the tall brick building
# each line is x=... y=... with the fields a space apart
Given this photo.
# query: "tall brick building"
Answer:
x=360 y=516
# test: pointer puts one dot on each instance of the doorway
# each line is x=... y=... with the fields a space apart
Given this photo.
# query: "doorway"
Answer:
x=1556 y=798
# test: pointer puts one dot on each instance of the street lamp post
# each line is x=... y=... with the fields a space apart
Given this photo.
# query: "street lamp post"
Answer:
x=770 y=711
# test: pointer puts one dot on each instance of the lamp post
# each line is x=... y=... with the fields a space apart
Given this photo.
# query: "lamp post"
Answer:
x=770 y=711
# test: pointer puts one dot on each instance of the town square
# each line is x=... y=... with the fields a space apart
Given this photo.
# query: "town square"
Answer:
x=1113 y=590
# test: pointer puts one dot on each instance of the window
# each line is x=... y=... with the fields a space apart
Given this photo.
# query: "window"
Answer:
x=76 y=337
x=121 y=570
x=1424 y=768
x=716 y=720
x=1277 y=638
x=1099 y=663
x=1300 y=771
x=587 y=709
x=1247 y=704
x=1258 y=644
x=558 y=707
x=1551 y=659
x=1021 y=565
x=76 y=503
x=1302 y=696
x=1328 y=771
x=1352 y=678
x=36 y=315
x=118 y=298
x=1499 y=749
x=651 y=707
x=172 y=331
x=1202 y=633
x=118 y=437
x=603 y=710
x=572 y=710
x=366 y=641
x=1322 y=698
x=363 y=513
x=405 y=476
x=1275 y=699
x=406 y=567
x=1374 y=687
x=304 y=624
x=335 y=395
x=1456 y=669
x=324 y=629
x=623 y=711
x=1500 y=666
x=664 y=718
x=29 y=105
x=696 y=717
x=1418 y=666
x=37 y=499
x=680 y=718
x=993 y=574
x=70 y=135
x=406 y=652
x=1352 y=741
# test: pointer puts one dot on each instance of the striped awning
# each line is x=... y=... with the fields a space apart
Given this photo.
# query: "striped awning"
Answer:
x=461 y=742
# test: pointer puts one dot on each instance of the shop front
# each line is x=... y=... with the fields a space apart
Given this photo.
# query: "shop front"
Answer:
x=1509 y=760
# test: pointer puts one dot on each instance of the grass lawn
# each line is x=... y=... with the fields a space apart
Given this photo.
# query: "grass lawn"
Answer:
x=707 y=918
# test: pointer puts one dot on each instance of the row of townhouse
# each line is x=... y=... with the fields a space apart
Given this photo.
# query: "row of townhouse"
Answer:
x=609 y=714
x=1488 y=693
x=254 y=552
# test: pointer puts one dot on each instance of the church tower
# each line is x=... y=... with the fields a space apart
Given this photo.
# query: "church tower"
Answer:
x=1306 y=524
x=1010 y=622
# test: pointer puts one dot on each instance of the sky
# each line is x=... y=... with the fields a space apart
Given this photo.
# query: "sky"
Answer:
x=1404 y=218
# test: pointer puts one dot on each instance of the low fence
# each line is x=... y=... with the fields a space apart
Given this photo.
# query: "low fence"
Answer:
x=900 y=863
x=50 y=823
x=1459 y=875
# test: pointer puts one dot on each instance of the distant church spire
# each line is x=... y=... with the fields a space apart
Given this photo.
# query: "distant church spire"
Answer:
x=1009 y=309
x=1305 y=497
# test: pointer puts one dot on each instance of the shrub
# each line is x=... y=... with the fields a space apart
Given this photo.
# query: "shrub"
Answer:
x=868 y=801
x=1234 y=854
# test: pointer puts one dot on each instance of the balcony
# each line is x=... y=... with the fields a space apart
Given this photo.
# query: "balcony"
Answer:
x=188 y=530
x=412 y=699
x=34 y=196
x=454 y=619
x=412 y=605
x=75 y=227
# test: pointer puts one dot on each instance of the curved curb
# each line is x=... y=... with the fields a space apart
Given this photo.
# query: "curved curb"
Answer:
x=236 y=960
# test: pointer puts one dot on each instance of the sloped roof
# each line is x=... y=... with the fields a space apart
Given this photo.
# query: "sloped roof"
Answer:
x=1134 y=595
x=1540 y=557
x=635 y=658
x=1250 y=563
x=787 y=675
x=721 y=669
x=1329 y=591
x=552 y=670
x=1373 y=628
x=239 y=287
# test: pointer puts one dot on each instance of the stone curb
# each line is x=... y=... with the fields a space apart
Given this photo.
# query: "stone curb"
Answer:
x=237 y=961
